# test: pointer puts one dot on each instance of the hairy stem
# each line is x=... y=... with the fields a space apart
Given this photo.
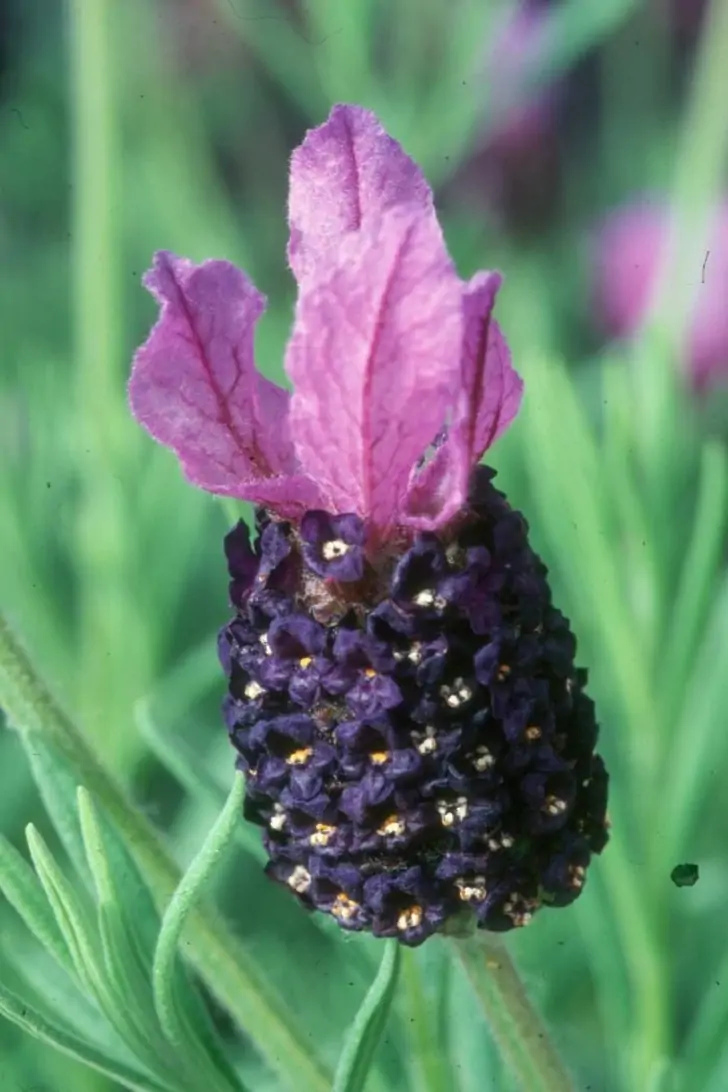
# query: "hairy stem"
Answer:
x=516 y=1026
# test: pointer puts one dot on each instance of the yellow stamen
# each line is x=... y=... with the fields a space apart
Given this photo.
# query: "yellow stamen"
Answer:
x=344 y=907
x=392 y=825
x=322 y=834
x=297 y=758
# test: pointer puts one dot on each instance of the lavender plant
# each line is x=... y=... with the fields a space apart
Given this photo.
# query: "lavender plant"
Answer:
x=152 y=955
x=403 y=694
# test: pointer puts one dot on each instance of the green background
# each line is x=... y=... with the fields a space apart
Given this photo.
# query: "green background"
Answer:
x=127 y=127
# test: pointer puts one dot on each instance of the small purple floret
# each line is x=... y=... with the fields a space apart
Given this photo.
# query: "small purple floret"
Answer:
x=333 y=546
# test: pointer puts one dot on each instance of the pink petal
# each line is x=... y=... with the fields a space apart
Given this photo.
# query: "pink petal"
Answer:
x=374 y=359
x=491 y=389
x=488 y=400
x=345 y=172
x=439 y=489
x=194 y=386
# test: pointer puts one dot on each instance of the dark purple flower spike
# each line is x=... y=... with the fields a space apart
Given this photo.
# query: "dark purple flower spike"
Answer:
x=402 y=696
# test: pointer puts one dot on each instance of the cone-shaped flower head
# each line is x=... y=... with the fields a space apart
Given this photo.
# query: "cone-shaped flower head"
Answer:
x=629 y=249
x=402 y=696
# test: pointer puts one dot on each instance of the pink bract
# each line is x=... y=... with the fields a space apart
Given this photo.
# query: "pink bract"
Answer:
x=390 y=351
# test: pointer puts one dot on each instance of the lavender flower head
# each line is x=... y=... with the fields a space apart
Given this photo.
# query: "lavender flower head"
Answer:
x=402 y=694
x=629 y=249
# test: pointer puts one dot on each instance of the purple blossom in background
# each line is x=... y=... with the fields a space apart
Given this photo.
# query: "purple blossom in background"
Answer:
x=415 y=736
x=514 y=169
x=628 y=252
x=515 y=52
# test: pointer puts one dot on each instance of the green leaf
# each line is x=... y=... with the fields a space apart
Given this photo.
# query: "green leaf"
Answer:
x=364 y=1034
x=700 y=743
x=29 y=972
x=21 y=888
x=72 y=913
x=45 y=1028
x=100 y=974
x=117 y=878
x=57 y=787
x=123 y=898
x=220 y=958
x=180 y=1031
x=176 y=755
x=700 y=565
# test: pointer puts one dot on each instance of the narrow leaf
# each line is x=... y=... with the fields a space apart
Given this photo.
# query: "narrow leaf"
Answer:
x=225 y=964
x=699 y=747
x=20 y=886
x=700 y=564
x=35 y=1023
x=184 y=764
x=181 y=1032
x=116 y=876
x=364 y=1034
x=57 y=786
x=87 y=952
x=122 y=900
x=71 y=912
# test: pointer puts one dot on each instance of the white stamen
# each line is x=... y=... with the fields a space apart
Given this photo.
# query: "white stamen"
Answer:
x=424 y=598
x=425 y=741
x=471 y=890
x=254 y=690
x=392 y=826
x=450 y=812
x=482 y=759
x=415 y=653
x=300 y=879
x=410 y=918
x=334 y=548
x=457 y=694
x=554 y=806
x=322 y=835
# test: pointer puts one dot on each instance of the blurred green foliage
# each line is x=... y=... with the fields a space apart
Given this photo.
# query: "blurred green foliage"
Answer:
x=130 y=127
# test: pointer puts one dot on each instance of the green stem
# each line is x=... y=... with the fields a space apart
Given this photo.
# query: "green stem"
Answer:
x=429 y=1065
x=515 y=1024
x=110 y=630
x=217 y=955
